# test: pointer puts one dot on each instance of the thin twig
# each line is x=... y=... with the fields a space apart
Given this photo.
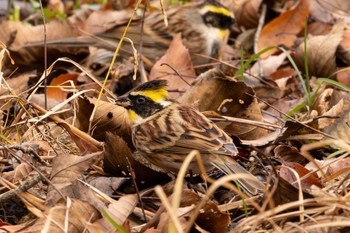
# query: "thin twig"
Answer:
x=23 y=187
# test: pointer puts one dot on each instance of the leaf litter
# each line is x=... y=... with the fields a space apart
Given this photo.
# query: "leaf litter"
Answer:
x=70 y=172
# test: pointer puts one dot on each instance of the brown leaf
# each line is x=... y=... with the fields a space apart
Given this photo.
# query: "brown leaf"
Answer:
x=118 y=211
x=283 y=73
x=107 y=185
x=321 y=52
x=80 y=213
x=333 y=109
x=289 y=154
x=340 y=127
x=284 y=29
x=41 y=100
x=339 y=9
x=343 y=50
x=118 y=159
x=339 y=166
x=17 y=84
x=344 y=76
x=177 y=57
x=247 y=13
x=21 y=171
x=17 y=36
x=64 y=81
x=267 y=66
x=108 y=117
x=121 y=209
x=152 y=230
x=288 y=175
x=319 y=28
x=66 y=169
x=85 y=143
x=210 y=219
x=286 y=193
x=213 y=91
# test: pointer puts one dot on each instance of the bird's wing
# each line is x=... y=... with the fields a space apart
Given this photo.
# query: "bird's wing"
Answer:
x=181 y=129
x=202 y=134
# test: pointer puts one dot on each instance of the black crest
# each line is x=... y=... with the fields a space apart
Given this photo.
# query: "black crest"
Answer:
x=152 y=85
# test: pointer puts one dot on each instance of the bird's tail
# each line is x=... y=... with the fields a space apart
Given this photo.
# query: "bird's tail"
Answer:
x=248 y=182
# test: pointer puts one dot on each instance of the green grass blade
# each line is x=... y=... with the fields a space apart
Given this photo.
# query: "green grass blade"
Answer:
x=333 y=82
x=241 y=70
x=114 y=223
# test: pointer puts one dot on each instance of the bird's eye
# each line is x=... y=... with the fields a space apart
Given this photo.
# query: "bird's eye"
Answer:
x=209 y=19
x=140 y=100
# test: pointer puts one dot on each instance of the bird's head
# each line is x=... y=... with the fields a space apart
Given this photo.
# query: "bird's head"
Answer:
x=215 y=15
x=145 y=100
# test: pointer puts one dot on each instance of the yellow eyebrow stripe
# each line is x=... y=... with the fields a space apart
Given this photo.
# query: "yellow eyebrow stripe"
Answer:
x=219 y=10
x=155 y=95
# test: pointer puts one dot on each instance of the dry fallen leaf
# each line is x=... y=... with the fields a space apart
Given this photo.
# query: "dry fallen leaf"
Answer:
x=65 y=170
x=343 y=76
x=20 y=172
x=339 y=166
x=338 y=9
x=247 y=13
x=76 y=216
x=288 y=175
x=320 y=52
x=179 y=59
x=289 y=154
x=213 y=91
x=118 y=211
x=17 y=36
x=218 y=223
x=61 y=86
x=343 y=51
x=108 y=117
x=283 y=29
x=266 y=67
x=107 y=185
x=119 y=161
x=340 y=127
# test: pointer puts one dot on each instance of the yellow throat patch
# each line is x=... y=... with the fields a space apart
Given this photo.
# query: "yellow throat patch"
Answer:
x=132 y=115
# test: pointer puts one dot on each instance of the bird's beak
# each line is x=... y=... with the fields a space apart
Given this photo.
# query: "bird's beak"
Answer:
x=123 y=101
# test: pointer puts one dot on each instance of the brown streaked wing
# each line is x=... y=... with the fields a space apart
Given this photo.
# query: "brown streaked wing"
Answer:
x=202 y=134
x=181 y=129
x=158 y=133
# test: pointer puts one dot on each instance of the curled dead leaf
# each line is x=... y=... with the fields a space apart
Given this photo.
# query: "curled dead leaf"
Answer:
x=213 y=91
x=118 y=211
x=61 y=86
x=247 y=13
x=289 y=154
x=108 y=118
